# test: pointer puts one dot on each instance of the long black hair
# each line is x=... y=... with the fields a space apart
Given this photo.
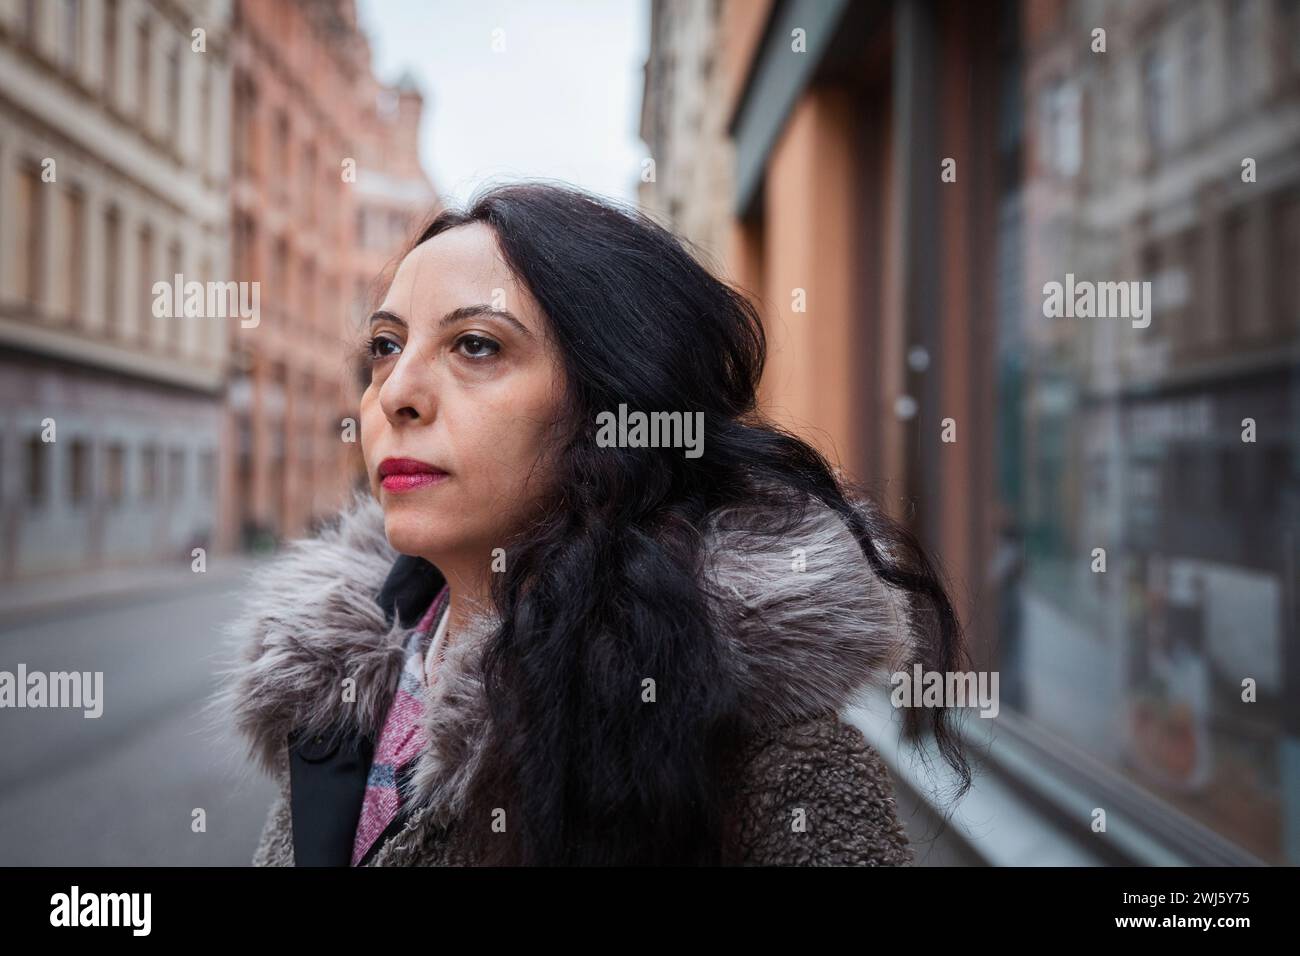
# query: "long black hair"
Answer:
x=604 y=589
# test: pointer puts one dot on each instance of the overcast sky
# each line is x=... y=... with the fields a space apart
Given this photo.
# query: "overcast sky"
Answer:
x=562 y=101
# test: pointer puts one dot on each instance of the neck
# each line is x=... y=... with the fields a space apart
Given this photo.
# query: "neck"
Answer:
x=469 y=583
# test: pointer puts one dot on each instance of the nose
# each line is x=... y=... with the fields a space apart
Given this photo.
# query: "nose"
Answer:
x=407 y=393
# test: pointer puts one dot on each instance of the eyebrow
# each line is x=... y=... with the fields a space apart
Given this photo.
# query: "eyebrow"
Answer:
x=455 y=315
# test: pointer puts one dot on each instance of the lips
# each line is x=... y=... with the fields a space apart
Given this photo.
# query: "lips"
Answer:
x=407 y=474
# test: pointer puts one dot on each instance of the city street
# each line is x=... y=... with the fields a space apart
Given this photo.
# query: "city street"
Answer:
x=121 y=789
x=1017 y=278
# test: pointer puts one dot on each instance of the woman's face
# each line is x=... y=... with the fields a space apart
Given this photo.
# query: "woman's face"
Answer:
x=465 y=385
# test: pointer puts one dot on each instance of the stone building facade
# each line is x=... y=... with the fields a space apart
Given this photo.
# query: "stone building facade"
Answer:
x=243 y=146
x=326 y=175
x=113 y=176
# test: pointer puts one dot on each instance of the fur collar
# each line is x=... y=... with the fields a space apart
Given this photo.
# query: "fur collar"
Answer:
x=800 y=642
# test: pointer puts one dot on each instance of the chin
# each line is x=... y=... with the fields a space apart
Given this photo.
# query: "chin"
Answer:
x=409 y=532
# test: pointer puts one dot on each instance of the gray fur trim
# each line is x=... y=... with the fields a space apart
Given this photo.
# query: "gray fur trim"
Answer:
x=309 y=621
x=807 y=622
x=801 y=642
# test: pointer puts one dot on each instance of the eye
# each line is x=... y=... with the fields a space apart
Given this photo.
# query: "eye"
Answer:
x=381 y=346
x=477 y=347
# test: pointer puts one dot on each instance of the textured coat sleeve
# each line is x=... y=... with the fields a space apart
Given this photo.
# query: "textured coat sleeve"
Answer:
x=275 y=843
x=815 y=794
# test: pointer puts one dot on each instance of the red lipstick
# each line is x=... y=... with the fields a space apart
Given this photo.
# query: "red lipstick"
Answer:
x=407 y=474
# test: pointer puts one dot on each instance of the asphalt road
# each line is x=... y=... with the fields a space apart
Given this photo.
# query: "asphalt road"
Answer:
x=121 y=789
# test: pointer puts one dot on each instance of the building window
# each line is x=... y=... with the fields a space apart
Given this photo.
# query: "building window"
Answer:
x=242 y=126
x=112 y=272
x=1140 y=667
x=176 y=473
x=282 y=159
x=307 y=438
x=144 y=72
x=174 y=95
x=1156 y=83
x=175 y=263
x=307 y=297
x=208 y=473
x=244 y=240
x=1287 y=279
x=149 y=472
x=308 y=177
x=144 y=283
x=330 y=311
x=280 y=276
x=1291 y=28
x=1195 y=107
x=205 y=117
x=72 y=249
x=110 y=51
x=116 y=474
x=28 y=252
x=1239 y=40
x=209 y=338
x=329 y=208
x=1197 y=306
x=71 y=51
x=1239 y=297
x=38 y=470
x=79 y=472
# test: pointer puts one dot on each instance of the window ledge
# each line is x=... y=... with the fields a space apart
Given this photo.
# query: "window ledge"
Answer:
x=1019 y=810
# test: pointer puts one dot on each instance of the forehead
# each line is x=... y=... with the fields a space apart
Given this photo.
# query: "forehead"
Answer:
x=461 y=266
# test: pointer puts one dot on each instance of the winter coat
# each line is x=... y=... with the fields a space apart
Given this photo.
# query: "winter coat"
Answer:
x=804 y=622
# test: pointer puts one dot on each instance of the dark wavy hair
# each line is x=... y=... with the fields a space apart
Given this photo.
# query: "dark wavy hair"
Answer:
x=604 y=587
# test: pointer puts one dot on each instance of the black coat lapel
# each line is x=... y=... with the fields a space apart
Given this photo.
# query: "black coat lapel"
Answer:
x=328 y=772
x=327 y=783
x=409 y=589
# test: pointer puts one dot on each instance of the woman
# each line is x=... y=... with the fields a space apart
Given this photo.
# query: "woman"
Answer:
x=534 y=641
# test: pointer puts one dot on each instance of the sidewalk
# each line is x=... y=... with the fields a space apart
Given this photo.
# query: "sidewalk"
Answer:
x=20 y=601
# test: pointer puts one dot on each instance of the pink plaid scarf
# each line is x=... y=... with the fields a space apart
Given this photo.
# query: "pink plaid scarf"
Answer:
x=402 y=738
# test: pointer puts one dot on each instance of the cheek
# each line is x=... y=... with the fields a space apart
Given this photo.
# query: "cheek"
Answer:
x=505 y=440
x=372 y=424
